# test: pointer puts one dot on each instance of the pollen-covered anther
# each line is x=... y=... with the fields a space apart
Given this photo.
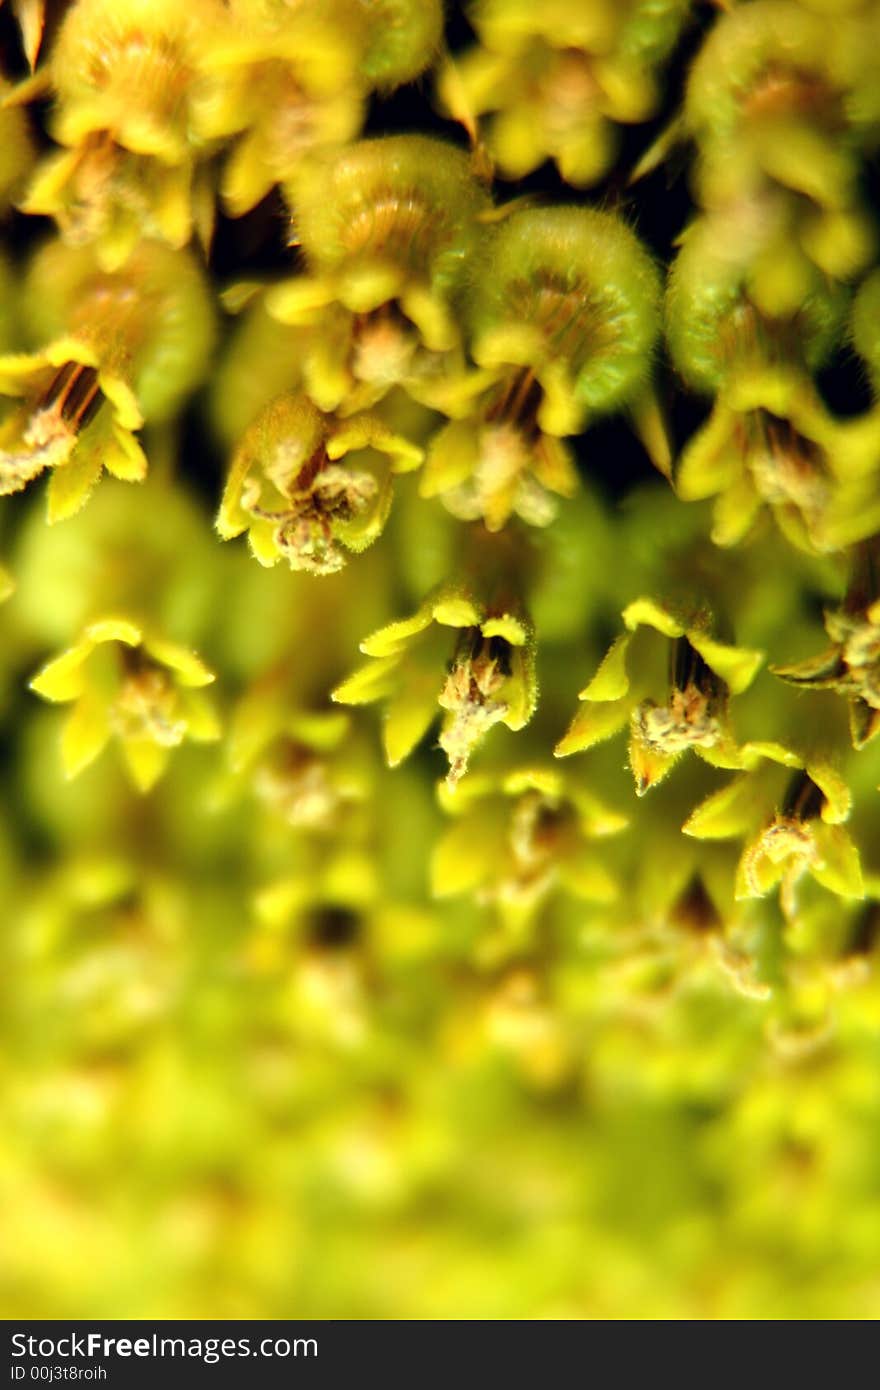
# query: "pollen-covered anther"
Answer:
x=787 y=840
x=479 y=671
x=320 y=495
x=692 y=717
x=859 y=639
x=146 y=705
x=69 y=403
x=384 y=345
x=686 y=722
x=297 y=785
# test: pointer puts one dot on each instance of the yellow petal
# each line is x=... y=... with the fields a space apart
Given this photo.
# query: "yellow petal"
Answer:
x=837 y=867
x=71 y=484
x=649 y=765
x=124 y=457
x=372 y=681
x=189 y=668
x=593 y=723
x=737 y=666
x=115 y=630
x=64 y=678
x=611 y=681
x=645 y=612
x=464 y=855
x=85 y=734
x=410 y=712
x=145 y=760
x=202 y=721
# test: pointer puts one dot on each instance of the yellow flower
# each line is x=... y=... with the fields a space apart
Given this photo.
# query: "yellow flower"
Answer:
x=792 y=825
x=562 y=321
x=387 y=228
x=779 y=105
x=490 y=676
x=74 y=418
x=285 y=80
x=518 y=836
x=770 y=442
x=123 y=76
x=305 y=765
x=143 y=691
x=692 y=673
x=307 y=488
x=120 y=349
x=550 y=80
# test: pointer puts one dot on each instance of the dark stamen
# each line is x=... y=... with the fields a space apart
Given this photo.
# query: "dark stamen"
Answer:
x=803 y=799
x=74 y=394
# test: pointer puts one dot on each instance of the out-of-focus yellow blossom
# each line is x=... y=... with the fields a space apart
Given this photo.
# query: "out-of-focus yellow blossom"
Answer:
x=750 y=330
x=143 y=691
x=518 y=835
x=776 y=97
x=123 y=79
x=305 y=766
x=552 y=82
x=285 y=80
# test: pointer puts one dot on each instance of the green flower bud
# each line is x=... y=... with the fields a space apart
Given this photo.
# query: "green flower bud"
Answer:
x=386 y=227
x=562 y=322
x=402 y=38
x=717 y=321
x=772 y=97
